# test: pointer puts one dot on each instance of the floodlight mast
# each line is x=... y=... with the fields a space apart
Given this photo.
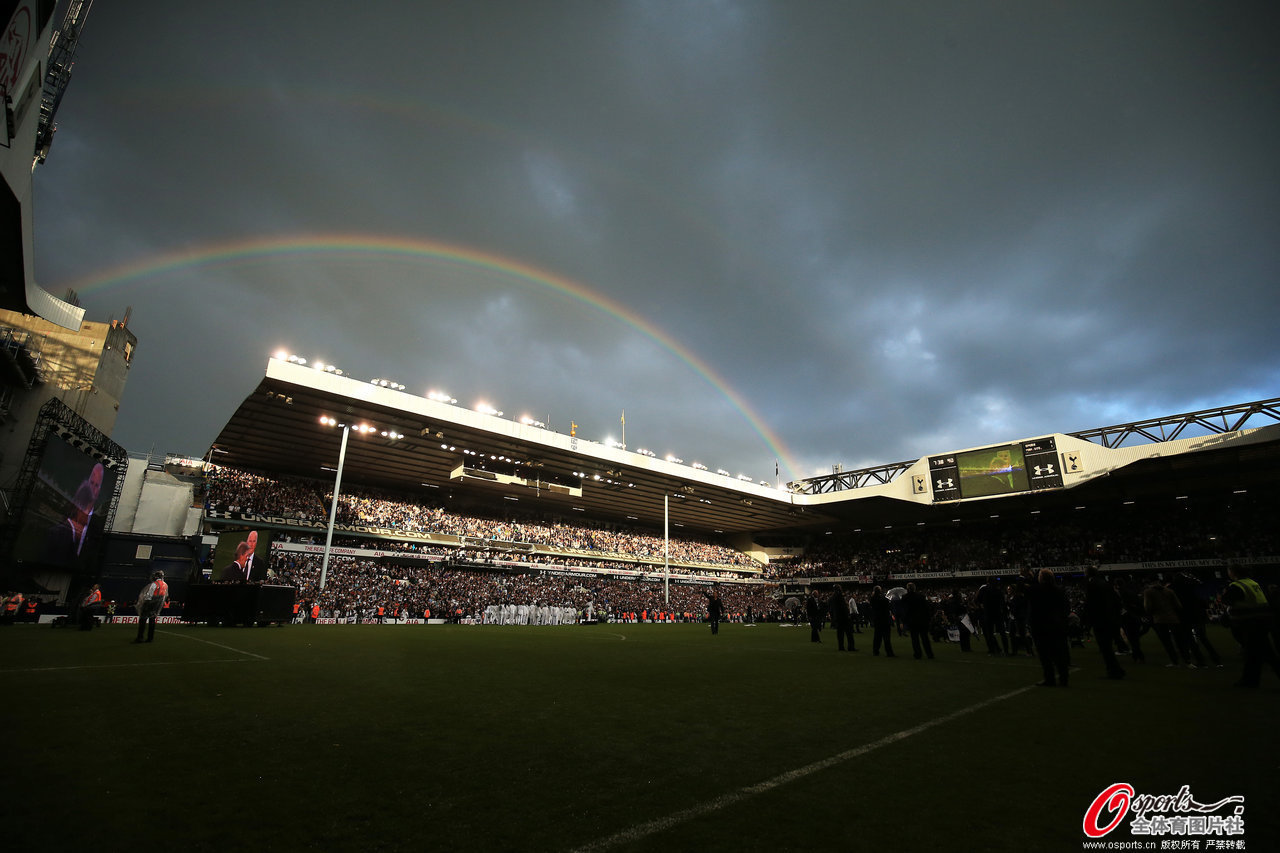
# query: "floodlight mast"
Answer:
x=333 y=510
x=666 y=547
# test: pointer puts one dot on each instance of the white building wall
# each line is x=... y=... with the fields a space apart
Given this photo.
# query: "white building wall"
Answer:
x=155 y=503
x=164 y=507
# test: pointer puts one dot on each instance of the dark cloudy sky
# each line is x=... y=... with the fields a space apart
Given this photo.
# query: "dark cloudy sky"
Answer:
x=863 y=232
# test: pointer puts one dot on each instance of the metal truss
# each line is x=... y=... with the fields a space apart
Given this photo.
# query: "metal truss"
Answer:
x=1156 y=430
x=1215 y=421
x=842 y=480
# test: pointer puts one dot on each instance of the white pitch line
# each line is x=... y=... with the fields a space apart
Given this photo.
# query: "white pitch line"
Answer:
x=151 y=663
x=121 y=665
x=643 y=830
x=212 y=643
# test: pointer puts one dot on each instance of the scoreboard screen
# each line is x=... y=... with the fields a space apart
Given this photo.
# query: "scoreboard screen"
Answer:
x=1002 y=470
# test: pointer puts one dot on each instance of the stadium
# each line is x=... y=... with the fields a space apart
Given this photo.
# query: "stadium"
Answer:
x=391 y=622
x=400 y=714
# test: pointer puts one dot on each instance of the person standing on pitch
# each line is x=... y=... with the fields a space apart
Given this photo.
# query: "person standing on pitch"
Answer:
x=89 y=607
x=1161 y=604
x=1195 y=617
x=917 y=610
x=1250 y=616
x=1102 y=608
x=958 y=614
x=991 y=604
x=151 y=601
x=1047 y=618
x=882 y=623
x=1131 y=615
x=715 y=610
x=841 y=618
x=813 y=611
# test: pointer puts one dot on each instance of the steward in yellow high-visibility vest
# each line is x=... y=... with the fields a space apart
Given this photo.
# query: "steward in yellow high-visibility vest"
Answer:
x=1250 y=622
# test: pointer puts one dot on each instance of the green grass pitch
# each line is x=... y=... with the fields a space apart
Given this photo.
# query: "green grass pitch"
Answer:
x=605 y=737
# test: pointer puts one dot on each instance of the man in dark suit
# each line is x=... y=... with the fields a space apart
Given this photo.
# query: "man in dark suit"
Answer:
x=814 y=614
x=991 y=602
x=918 y=613
x=882 y=622
x=841 y=619
x=715 y=610
x=1102 y=608
x=1047 y=619
x=255 y=569
x=234 y=573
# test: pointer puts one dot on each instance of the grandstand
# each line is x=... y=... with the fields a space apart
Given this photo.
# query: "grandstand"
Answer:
x=427 y=486
x=427 y=475
x=481 y=463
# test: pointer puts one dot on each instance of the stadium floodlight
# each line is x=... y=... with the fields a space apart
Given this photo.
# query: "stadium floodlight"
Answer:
x=441 y=397
x=347 y=429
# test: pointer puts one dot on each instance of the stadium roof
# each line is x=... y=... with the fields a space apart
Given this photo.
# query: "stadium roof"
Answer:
x=458 y=457
x=447 y=452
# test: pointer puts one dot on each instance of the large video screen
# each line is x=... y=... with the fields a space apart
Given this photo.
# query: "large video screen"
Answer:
x=1002 y=470
x=67 y=510
x=993 y=471
x=248 y=564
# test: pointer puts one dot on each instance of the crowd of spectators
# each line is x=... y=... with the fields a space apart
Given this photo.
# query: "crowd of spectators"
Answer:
x=461 y=589
x=306 y=500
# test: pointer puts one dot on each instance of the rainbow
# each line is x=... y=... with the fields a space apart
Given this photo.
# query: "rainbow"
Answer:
x=349 y=245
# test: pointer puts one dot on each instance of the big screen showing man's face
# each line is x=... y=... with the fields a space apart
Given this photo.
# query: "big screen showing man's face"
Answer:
x=67 y=509
x=241 y=552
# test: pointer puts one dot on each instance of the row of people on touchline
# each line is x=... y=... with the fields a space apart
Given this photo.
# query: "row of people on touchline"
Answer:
x=1047 y=625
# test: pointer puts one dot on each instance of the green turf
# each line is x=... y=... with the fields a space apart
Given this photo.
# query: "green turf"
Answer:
x=559 y=738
